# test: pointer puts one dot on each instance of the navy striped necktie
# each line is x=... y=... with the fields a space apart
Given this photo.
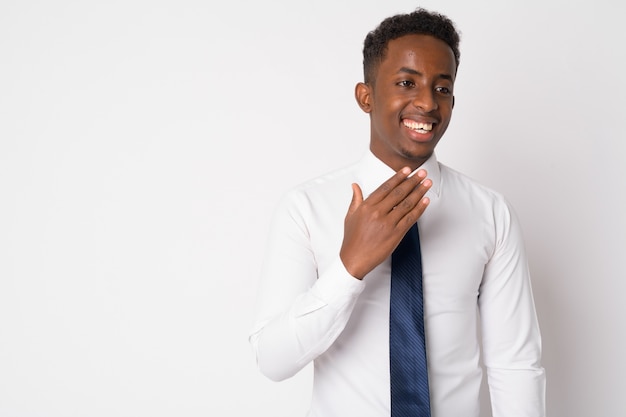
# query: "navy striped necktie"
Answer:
x=407 y=347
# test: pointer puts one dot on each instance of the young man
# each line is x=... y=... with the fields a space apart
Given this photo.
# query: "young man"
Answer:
x=326 y=292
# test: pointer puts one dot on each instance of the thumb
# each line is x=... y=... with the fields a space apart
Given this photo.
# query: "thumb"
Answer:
x=357 y=198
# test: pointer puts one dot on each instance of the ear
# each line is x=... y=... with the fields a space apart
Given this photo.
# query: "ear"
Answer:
x=453 y=101
x=363 y=95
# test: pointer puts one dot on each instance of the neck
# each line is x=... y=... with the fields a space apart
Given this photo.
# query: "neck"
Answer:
x=399 y=161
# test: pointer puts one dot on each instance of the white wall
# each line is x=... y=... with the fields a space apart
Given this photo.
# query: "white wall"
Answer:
x=143 y=145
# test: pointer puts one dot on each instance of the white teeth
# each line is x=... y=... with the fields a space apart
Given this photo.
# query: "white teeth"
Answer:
x=418 y=126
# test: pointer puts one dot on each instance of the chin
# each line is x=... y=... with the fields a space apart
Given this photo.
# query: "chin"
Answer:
x=417 y=156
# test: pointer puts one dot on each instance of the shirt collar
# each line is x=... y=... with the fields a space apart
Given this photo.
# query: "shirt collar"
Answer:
x=372 y=172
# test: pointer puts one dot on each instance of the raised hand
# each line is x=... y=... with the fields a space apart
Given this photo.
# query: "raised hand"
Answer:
x=374 y=227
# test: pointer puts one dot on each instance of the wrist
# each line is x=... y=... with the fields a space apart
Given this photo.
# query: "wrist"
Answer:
x=352 y=267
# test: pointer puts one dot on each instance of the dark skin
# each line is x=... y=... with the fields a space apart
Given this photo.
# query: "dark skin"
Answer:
x=410 y=105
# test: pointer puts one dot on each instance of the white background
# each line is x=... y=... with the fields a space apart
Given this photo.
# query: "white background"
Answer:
x=144 y=144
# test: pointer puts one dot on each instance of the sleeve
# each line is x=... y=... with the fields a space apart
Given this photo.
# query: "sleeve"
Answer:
x=510 y=330
x=300 y=313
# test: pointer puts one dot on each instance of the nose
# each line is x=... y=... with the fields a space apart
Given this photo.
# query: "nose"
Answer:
x=425 y=99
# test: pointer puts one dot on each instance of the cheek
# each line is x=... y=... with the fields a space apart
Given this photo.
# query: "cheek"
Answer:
x=445 y=110
x=392 y=108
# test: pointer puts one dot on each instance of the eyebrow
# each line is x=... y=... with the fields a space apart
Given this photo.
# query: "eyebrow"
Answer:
x=415 y=72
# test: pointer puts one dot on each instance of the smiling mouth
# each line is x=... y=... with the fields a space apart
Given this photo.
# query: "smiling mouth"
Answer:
x=417 y=126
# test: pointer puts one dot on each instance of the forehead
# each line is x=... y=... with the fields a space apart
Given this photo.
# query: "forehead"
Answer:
x=419 y=51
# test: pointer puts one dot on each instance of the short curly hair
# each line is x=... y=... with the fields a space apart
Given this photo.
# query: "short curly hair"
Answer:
x=420 y=22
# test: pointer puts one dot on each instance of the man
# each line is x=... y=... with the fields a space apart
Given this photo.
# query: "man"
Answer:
x=326 y=292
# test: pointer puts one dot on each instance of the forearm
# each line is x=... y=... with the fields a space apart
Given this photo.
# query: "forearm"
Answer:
x=517 y=392
x=288 y=340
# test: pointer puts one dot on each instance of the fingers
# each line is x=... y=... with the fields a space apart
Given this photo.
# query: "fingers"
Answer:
x=406 y=219
x=357 y=198
x=402 y=193
x=406 y=211
x=388 y=186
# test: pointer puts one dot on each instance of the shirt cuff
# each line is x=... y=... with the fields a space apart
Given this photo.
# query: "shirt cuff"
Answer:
x=336 y=286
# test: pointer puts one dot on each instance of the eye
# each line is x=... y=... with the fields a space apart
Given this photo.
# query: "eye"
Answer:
x=406 y=83
x=443 y=90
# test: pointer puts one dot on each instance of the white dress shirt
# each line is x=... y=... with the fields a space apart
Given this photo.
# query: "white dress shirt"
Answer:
x=476 y=281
